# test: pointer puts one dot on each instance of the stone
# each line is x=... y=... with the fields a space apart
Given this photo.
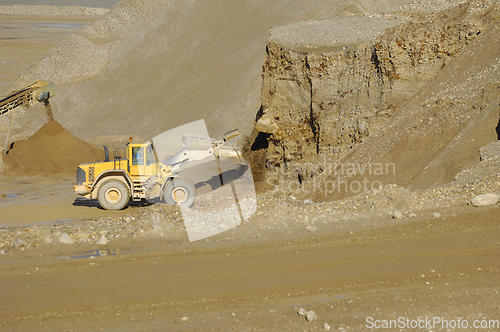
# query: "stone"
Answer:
x=308 y=201
x=436 y=215
x=65 y=238
x=312 y=229
x=301 y=312
x=485 y=199
x=326 y=327
x=18 y=243
x=48 y=240
x=311 y=315
x=2 y=252
x=398 y=215
x=362 y=128
x=412 y=215
x=490 y=151
x=184 y=318
x=265 y=125
x=103 y=240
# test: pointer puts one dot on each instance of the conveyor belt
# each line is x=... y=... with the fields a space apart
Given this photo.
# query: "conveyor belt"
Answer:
x=39 y=91
x=27 y=96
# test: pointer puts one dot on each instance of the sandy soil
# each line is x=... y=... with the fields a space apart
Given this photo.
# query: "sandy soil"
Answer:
x=28 y=200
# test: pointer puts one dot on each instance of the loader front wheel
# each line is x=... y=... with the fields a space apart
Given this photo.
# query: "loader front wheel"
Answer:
x=113 y=195
x=179 y=192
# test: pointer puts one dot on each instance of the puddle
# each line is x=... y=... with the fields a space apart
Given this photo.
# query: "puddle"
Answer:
x=101 y=253
x=93 y=253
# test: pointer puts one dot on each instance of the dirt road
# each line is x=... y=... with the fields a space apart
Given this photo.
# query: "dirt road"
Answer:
x=34 y=199
x=425 y=269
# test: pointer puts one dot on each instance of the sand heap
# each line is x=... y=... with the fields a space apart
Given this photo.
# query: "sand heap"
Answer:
x=52 y=149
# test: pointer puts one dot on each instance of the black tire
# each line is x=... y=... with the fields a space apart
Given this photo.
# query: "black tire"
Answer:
x=113 y=195
x=179 y=192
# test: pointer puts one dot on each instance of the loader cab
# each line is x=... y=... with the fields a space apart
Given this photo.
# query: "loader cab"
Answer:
x=142 y=160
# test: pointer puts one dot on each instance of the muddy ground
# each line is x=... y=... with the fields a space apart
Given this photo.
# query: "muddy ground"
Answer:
x=348 y=261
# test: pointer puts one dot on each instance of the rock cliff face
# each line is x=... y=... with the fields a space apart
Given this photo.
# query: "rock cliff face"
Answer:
x=318 y=106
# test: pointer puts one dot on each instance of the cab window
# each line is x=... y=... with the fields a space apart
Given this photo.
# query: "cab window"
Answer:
x=137 y=156
x=150 y=158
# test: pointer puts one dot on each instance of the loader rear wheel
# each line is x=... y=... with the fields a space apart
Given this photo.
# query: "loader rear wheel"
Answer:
x=179 y=192
x=113 y=195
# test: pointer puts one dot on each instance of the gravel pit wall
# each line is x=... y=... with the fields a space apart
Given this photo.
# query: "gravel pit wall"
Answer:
x=317 y=107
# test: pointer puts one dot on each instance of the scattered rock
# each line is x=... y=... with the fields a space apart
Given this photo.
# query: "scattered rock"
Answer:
x=302 y=312
x=312 y=229
x=436 y=215
x=311 y=315
x=326 y=327
x=103 y=240
x=184 y=318
x=485 y=199
x=412 y=215
x=308 y=201
x=65 y=238
x=398 y=215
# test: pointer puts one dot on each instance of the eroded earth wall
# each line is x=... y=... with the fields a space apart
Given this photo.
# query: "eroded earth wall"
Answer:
x=318 y=107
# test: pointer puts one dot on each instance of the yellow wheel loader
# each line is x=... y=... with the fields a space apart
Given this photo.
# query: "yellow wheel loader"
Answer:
x=140 y=175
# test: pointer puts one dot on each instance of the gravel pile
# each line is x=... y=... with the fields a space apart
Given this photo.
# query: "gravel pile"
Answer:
x=108 y=4
x=51 y=10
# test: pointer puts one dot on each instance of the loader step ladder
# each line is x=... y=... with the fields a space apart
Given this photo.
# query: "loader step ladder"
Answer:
x=137 y=191
x=39 y=91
